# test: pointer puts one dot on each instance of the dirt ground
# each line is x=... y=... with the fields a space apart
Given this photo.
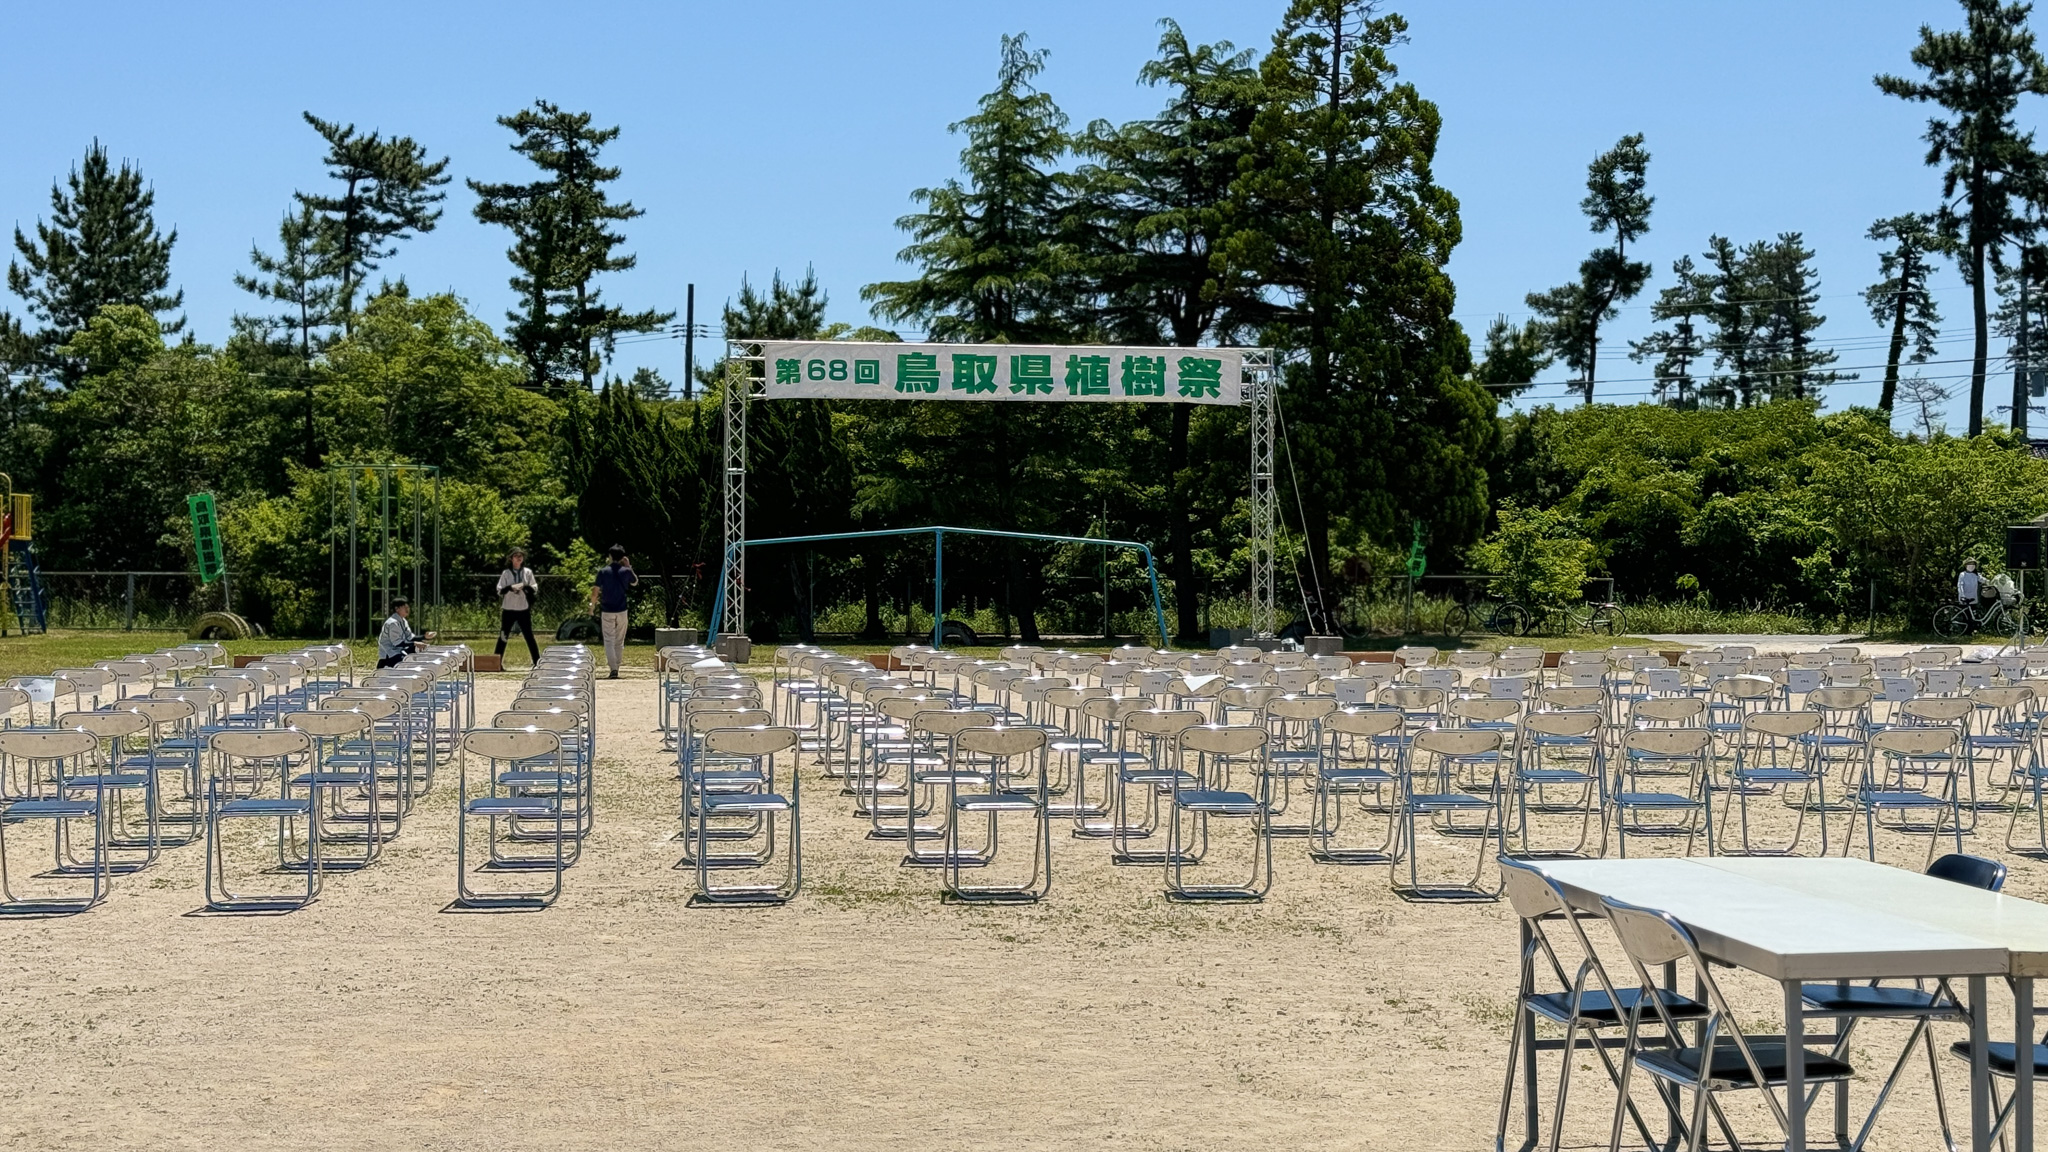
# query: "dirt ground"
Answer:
x=866 y=1014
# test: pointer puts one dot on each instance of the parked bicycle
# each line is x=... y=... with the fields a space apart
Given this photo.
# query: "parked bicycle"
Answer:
x=1604 y=618
x=1495 y=614
x=1996 y=618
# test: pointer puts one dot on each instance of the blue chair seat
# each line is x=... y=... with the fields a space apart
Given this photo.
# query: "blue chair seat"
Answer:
x=1447 y=802
x=1771 y=775
x=265 y=806
x=1554 y=776
x=1863 y=1000
x=1596 y=1006
x=49 y=809
x=2004 y=1058
x=109 y=780
x=514 y=806
x=1884 y=799
x=1218 y=802
x=1356 y=776
x=1654 y=800
x=745 y=802
x=995 y=802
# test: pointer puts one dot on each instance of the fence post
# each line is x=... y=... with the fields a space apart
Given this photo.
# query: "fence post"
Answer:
x=1408 y=622
x=1871 y=628
x=128 y=615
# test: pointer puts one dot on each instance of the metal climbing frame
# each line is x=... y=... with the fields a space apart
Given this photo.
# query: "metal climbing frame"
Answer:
x=742 y=378
x=390 y=515
x=736 y=552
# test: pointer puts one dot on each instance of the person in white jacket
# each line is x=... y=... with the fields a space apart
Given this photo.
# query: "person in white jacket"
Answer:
x=1969 y=584
x=517 y=586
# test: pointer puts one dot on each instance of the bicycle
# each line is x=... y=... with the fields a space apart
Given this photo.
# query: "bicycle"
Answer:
x=1604 y=617
x=1996 y=618
x=1496 y=614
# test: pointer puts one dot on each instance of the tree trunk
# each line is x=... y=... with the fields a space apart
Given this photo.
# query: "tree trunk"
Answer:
x=1024 y=580
x=871 y=590
x=1981 y=348
x=1180 y=532
x=1898 y=348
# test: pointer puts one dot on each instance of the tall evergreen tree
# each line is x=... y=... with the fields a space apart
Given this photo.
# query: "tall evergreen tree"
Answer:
x=389 y=192
x=1976 y=76
x=1680 y=346
x=1615 y=200
x=1727 y=301
x=302 y=278
x=1158 y=196
x=1901 y=301
x=996 y=263
x=563 y=239
x=1512 y=358
x=2022 y=319
x=1785 y=286
x=1345 y=220
x=101 y=246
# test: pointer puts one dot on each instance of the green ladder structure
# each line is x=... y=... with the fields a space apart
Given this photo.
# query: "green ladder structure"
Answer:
x=206 y=544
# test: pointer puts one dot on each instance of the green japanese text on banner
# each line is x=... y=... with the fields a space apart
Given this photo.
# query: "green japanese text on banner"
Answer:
x=876 y=371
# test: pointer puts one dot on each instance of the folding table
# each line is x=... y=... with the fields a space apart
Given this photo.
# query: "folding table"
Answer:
x=1797 y=920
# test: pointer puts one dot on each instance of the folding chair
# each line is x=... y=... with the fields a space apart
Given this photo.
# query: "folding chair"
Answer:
x=1154 y=771
x=1558 y=768
x=129 y=848
x=1722 y=1059
x=503 y=749
x=64 y=753
x=767 y=803
x=1682 y=753
x=1293 y=755
x=930 y=767
x=1773 y=752
x=1427 y=799
x=1009 y=791
x=1587 y=1000
x=333 y=778
x=1361 y=758
x=266 y=752
x=1851 y=1003
x=1200 y=792
x=1928 y=751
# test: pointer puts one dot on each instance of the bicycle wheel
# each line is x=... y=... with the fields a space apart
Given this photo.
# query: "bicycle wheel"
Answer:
x=1951 y=620
x=1512 y=619
x=1457 y=621
x=1607 y=619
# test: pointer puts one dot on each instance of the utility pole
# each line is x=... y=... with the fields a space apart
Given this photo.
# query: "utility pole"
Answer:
x=2024 y=370
x=690 y=342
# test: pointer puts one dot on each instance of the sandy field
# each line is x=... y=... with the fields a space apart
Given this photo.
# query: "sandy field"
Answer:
x=866 y=1014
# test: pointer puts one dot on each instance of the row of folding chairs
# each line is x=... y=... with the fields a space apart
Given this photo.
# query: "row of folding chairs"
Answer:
x=527 y=783
x=740 y=803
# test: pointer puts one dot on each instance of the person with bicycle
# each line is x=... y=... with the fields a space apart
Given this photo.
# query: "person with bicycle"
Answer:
x=1970 y=585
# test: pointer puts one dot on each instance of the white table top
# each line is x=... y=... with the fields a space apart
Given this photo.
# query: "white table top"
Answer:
x=1792 y=918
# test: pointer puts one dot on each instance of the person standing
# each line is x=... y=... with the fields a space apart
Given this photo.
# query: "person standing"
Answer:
x=609 y=594
x=1969 y=583
x=396 y=639
x=516 y=588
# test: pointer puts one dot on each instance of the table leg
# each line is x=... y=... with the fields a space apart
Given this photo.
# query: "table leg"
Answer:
x=2023 y=1072
x=1795 y=1069
x=1528 y=1054
x=1980 y=1069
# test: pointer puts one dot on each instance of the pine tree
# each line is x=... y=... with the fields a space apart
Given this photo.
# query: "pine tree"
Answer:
x=996 y=264
x=1680 y=346
x=1785 y=287
x=1977 y=76
x=100 y=247
x=302 y=277
x=1615 y=200
x=1513 y=357
x=1901 y=300
x=1344 y=219
x=1159 y=203
x=563 y=239
x=2022 y=319
x=1727 y=302
x=389 y=193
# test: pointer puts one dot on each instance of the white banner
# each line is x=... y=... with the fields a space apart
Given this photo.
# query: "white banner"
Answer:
x=873 y=371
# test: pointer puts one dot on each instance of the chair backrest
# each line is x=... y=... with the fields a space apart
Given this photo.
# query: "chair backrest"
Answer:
x=1648 y=936
x=1933 y=740
x=105 y=725
x=1840 y=697
x=1580 y=724
x=1412 y=699
x=1217 y=740
x=260 y=744
x=1531 y=892
x=327 y=723
x=1782 y=725
x=1300 y=707
x=702 y=722
x=1000 y=741
x=1293 y=680
x=1975 y=871
x=160 y=711
x=1849 y=673
x=1802 y=680
x=1662 y=679
x=1668 y=741
x=1412 y=655
x=511 y=743
x=1572 y=699
x=1252 y=696
x=1458 y=741
x=1745 y=687
x=1372 y=722
x=1503 y=687
x=556 y=720
x=1162 y=722
x=1942 y=681
x=1444 y=678
x=1668 y=710
x=750 y=741
x=951 y=721
x=47 y=744
x=1485 y=710
x=1351 y=693
x=1938 y=709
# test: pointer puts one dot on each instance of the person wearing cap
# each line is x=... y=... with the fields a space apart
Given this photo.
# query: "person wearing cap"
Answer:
x=609 y=594
x=516 y=587
x=1969 y=583
x=396 y=638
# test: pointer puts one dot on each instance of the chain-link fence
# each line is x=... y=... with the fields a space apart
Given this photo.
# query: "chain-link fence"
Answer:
x=472 y=602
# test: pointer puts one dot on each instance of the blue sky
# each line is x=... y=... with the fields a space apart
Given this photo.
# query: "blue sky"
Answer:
x=780 y=134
